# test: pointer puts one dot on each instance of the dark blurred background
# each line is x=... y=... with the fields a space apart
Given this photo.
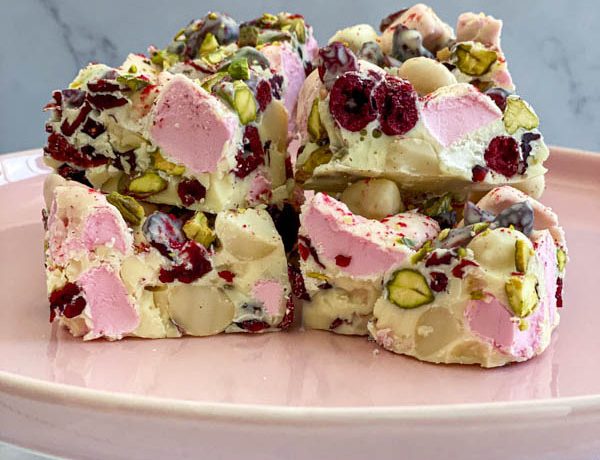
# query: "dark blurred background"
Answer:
x=552 y=47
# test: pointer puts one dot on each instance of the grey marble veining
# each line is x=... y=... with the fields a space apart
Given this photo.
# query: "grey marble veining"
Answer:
x=45 y=42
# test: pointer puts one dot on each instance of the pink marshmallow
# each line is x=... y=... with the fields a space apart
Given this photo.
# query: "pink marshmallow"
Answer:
x=449 y=117
x=479 y=28
x=190 y=126
x=271 y=294
x=102 y=228
x=367 y=247
x=107 y=303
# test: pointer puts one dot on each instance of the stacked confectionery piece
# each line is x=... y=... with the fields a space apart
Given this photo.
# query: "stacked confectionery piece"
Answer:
x=173 y=165
x=392 y=190
x=401 y=134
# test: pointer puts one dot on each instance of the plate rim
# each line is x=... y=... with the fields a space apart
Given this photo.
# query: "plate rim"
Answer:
x=40 y=391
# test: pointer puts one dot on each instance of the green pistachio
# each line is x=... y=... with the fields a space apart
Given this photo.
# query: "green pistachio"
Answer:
x=238 y=69
x=406 y=242
x=443 y=234
x=198 y=229
x=421 y=253
x=480 y=227
x=561 y=258
x=209 y=45
x=474 y=60
x=522 y=255
x=244 y=102
x=134 y=82
x=315 y=128
x=161 y=164
x=130 y=209
x=518 y=114
x=212 y=80
x=317 y=276
x=248 y=36
x=437 y=206
x=523 y=324
x=477 y=295
x=462 y=252
x=318 y=157
x=409 y=289
x=522 y=294
x=132 y=68
x=147 y=184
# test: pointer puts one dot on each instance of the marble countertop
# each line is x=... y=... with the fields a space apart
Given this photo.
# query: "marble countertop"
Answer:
x=555 y=67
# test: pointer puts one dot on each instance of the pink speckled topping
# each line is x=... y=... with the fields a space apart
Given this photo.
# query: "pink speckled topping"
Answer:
x=479 y=28
x=190 y=126
x=260 y=190
x=271 y=294
x=112 y=312
x=417 y=227
x=73 y=230
x=372 y=246
x=450 y=117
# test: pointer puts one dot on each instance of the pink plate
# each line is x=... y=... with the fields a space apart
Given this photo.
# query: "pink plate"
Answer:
x=296 y=395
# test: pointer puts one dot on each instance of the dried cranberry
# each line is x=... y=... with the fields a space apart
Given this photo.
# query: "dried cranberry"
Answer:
x=502 y=155
x=263 y=94
x=479 y=173
x=499 y=96
x=287 y=223
x=343 y=261
x=194 y=264
x=389 y=20
x=459 y=270
x=190 y=191
x=103 y=86
x=288 y=318
x=93 y=128
x=326 y=285
x=69 y=128
x=252 y=155
x=226 y=275
x=289 y=169
x=253 y=325
x=559 y=291
x=67 y=301
x=335 y=60
x=59 y=148
x=312 y=250
x=106 y=101
x=303 y=251
x=396 y=101
x=70 y=173
x=297 y=282
x=434 y=260
x=350 y=101
x=439 y=281
x=276 y=82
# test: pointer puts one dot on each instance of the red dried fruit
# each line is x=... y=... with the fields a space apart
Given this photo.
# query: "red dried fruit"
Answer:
x=106 y=101
x=227 y=275
x=499 y=96
x=335 y=60
x=559 y=291
x=439 y=281
x=194 y=265
x=253 y=325
x=263 y=94
x=59 y=148
x=434 y=259
x=93 y=128
x=164 y=232
x=287 y=223
x=72 y=98
x=297 y=282
x=502 y=155
x=303 y=251
x=288 y=318
x=70 y=173
x=67 y=301
x=459 y=270
x=312 y=250
x=103 y=86
x=350 y=101
x=343 y=261
x=396 y=102
x=252 y=155
x=190 y=191
x=276 y=82
x=479 y=173
x=69 y=128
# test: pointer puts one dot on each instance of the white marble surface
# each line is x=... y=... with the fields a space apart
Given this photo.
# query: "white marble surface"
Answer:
x=44 y=42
